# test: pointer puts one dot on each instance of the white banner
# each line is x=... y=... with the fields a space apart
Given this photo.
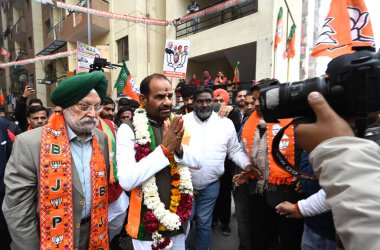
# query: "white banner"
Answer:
x=176 y=55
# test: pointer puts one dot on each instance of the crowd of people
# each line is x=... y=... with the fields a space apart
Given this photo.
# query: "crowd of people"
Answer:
x=220 y=81
x=75 y=177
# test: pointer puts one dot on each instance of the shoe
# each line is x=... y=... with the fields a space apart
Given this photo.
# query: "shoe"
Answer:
x=226 y=230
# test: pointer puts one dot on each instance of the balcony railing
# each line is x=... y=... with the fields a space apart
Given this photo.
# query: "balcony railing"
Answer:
x=18 y=30
x=224 y=16
x=54 y=33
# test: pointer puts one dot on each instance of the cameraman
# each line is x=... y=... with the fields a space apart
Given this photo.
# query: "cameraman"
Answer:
x=343 y=164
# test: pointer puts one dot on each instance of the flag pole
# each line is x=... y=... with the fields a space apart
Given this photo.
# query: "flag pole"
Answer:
x=274 y=63
x=286 y=43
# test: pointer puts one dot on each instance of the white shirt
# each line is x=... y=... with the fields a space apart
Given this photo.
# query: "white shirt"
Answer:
x=211 y=141
x=132 y=174
x=314 y=205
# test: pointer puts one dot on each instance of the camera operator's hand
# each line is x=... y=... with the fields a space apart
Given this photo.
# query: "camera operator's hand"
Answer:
x=328 y=125
x=173 y=133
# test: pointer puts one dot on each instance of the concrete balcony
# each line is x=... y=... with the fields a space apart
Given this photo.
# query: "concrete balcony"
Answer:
x=75 y=26
x=53 y=34
x=19 y=31
x=18 y=4
x=216 y=19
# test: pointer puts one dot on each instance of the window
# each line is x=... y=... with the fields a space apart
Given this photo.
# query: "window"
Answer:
x=122 y=49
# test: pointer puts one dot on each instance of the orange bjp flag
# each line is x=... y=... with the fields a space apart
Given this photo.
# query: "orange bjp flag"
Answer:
x=279 y=29
x=347 y=25
x=290 y=49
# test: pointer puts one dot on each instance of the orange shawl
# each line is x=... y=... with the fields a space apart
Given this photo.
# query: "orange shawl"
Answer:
x=56 y=190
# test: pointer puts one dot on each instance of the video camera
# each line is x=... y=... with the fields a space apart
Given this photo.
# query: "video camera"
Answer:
x=351 y=87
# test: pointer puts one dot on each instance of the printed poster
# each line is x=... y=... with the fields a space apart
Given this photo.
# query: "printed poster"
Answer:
x=176 y=55
x=85 y=56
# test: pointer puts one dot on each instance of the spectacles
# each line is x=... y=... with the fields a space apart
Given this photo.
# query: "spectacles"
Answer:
x=87 y=108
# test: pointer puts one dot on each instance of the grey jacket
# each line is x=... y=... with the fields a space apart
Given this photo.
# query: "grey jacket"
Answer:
x=21 y=208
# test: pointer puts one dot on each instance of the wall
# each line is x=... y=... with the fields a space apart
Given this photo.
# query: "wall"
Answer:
x=146 y=42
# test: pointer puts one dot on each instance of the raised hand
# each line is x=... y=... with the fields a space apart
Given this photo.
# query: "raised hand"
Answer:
x=28 y=91
x=172 y=133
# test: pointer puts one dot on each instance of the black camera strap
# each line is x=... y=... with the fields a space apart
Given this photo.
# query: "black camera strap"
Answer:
x=282 y=161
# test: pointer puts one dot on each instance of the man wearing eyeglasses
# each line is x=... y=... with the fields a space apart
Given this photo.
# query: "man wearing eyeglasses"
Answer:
x=56 y=178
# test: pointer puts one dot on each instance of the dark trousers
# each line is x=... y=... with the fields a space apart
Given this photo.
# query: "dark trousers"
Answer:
x=5 y=240
x=222 y=209
x=5 y=237
x=289 y=230
x=260 y=227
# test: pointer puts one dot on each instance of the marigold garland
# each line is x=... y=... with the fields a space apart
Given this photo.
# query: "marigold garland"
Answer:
x=157 y=218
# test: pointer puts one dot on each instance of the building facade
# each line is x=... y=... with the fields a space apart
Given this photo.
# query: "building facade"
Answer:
x=244 y=33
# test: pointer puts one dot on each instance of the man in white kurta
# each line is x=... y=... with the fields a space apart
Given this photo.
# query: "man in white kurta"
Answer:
x=211 y=138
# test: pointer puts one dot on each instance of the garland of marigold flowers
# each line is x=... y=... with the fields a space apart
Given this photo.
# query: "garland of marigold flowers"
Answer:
x=156 y=218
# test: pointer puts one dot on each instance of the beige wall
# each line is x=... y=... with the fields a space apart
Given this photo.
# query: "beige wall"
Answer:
x=146 y=42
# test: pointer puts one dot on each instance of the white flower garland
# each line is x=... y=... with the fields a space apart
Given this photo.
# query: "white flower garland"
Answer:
x=151 y=196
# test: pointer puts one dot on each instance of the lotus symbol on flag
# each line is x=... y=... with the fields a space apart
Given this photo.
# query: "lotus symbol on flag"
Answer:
x=100 y=237
x=56 y=133
x=57 y=239
x=175 y=61
x=358 y=21
x=55 y=165
x=100 y=174
x=326 y=34
x=56 y=202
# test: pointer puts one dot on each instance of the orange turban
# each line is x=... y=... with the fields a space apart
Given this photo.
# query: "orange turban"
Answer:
x=222 y=93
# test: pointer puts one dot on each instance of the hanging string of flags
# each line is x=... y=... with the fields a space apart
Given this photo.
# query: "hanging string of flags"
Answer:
x=39 y=58
x=106 y=14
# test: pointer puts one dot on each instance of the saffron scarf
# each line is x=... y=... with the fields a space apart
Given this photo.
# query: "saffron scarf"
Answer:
x=277 y=175
x=56 y=190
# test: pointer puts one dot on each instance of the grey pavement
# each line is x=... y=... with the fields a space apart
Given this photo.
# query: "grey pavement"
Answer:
x=219 y=241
